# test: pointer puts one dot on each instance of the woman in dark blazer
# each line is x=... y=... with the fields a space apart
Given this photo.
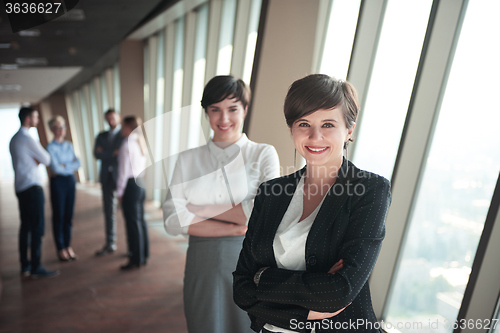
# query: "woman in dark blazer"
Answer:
x=314 y=236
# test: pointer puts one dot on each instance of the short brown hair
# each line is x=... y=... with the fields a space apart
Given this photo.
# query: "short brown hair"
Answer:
x=318 y=91
x=225 y=86
x=109 y=111
x=24 y=112
x=132 y=121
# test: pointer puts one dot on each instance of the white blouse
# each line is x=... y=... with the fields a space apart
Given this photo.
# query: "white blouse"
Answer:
x=290 y=240
x=210 y=175
x=130 y=162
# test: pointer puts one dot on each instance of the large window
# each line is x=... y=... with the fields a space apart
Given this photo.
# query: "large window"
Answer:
x=10 y=125
x=226 y=37
x=383 y=115
x=198 y=81
x=338 y=46
x=253 y=28
x=495 y=327
x=457 y=184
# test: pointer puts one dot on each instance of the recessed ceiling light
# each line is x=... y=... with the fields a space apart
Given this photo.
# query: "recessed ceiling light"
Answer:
x=32 y=61
x=30 y=33
x=72 y=15
x=5 y=45
x=10 y=87
x=9 y=66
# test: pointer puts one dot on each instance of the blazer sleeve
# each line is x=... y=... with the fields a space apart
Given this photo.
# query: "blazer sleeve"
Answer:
x=244 y=289
x=106 y=153
x=326 y=292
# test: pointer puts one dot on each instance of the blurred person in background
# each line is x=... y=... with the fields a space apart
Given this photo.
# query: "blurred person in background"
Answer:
x=63 y=164
x=106 y=149
x=27 y=154
x=131 y=193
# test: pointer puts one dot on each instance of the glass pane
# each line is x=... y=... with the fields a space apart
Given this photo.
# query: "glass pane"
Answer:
x=104 y=96
x=175 y=114
x=458 y=181
x=253 y=27
x=200 y=51
x=160 y=100
x=396 y=62
x=338 y=46
x=116 y=85
x=86 y=133
x=94 y=107
x=10 y=126
x=495 y=324
x=226 y=37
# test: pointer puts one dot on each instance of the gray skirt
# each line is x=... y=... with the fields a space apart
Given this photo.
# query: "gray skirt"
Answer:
x=208 y=286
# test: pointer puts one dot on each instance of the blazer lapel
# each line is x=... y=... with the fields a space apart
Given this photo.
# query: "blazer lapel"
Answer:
x=282 y=195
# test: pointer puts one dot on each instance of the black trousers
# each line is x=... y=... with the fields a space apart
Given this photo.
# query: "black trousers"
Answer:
x=109 y=203
x=31 y=210
x=62 y=197
x=133 y=212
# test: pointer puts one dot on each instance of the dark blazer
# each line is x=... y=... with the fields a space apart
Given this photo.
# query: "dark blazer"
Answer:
x=349 y=226
x=107 y=156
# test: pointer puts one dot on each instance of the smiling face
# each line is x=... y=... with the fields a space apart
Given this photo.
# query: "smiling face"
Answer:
x=226 y=119
x=59 y=130
x=319 y=137
x=113 y=119
x=33 y=119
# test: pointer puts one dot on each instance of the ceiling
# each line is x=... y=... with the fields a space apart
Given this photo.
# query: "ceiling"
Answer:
x=69 y=49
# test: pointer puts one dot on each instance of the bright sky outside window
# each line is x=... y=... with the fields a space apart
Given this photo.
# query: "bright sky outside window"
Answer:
x=339 y=38
x=457 y=184
x=391 y=84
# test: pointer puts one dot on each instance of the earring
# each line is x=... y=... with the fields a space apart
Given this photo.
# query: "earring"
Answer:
x=294 y=159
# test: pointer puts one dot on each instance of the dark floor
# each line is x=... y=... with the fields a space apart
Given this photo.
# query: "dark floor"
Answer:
x=91 y=295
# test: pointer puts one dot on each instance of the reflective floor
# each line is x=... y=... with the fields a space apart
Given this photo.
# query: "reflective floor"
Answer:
x=91 y=294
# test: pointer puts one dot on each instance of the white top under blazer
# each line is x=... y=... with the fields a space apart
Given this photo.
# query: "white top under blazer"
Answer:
x=289 y=243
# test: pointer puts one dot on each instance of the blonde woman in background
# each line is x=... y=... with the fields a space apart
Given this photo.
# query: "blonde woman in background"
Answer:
x=63 y=164
x=131 y=193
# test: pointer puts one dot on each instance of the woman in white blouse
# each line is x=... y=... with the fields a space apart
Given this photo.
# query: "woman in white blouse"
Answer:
x=210 y=199
x=131 y=193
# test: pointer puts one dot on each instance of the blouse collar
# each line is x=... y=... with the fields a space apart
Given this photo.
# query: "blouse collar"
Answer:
x=224 y=154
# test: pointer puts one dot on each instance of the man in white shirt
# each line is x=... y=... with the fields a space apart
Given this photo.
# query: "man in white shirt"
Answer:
x=27 y=154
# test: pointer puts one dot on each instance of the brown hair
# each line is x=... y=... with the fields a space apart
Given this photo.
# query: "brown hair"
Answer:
x=318 y=91
x=110 y=111
x=24 y=112
x=133 y=122
x=225 y=86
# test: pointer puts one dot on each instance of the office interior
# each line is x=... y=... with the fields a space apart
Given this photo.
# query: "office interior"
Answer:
x=426 y=73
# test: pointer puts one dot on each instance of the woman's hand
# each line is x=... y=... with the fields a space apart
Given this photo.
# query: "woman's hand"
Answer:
x=213 y=228
x=221 y=212
x=335 y=268
x=195 y=209
x=313 y=315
